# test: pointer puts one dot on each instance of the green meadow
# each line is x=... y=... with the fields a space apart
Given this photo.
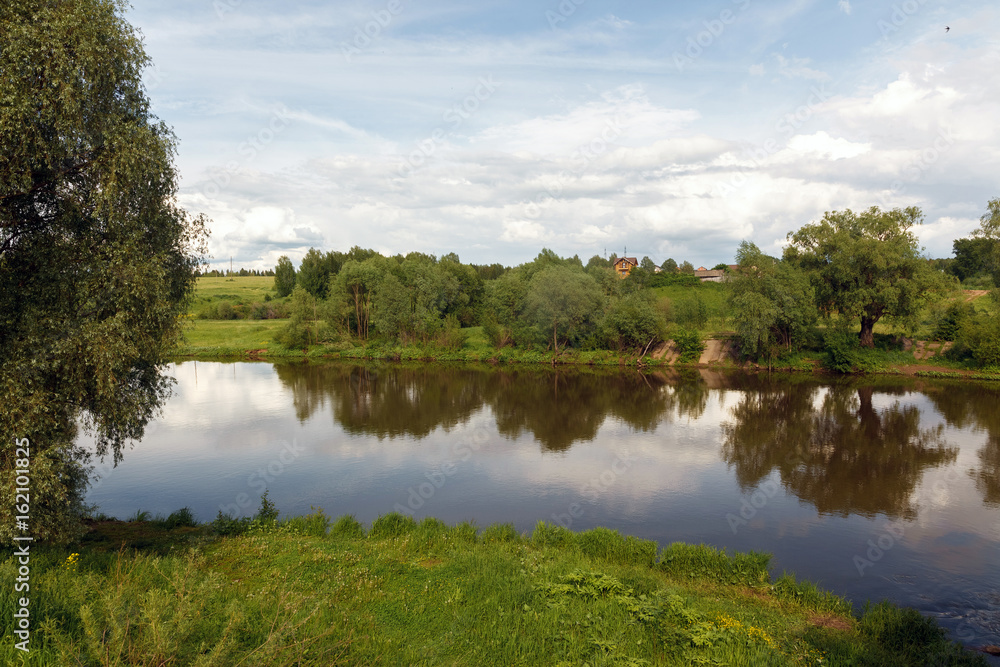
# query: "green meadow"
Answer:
x=311 y=591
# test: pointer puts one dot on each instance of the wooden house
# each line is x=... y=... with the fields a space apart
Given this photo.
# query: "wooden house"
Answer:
x=624 y=265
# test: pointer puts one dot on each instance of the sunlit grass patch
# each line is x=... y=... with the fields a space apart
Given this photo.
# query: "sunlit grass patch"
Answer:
x=311 y=591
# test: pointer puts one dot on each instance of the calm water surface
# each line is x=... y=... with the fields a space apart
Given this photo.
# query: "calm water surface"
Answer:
x=872 y=489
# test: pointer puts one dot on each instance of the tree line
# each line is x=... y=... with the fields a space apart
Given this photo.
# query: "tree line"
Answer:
x=850 y=270
x=550 y=302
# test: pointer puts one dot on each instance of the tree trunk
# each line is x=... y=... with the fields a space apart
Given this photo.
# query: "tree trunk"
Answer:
x=555 y=341
x=867 y=336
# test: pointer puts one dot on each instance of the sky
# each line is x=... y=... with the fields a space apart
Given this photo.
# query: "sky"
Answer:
x=589 y=127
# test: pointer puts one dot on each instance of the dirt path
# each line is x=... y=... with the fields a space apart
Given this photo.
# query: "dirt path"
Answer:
x=971 y=294
x=925 y=349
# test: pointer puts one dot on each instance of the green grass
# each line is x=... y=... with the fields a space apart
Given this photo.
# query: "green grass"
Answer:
x=408 y=592
x=222 y=338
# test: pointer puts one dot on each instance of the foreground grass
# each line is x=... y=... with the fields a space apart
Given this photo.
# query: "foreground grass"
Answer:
x=306 y=593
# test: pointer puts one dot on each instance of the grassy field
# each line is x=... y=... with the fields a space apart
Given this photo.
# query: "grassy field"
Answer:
x=305 y=592
x=240 y=289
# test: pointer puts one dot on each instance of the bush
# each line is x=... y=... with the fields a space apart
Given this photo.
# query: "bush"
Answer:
x=689 y=345
x=183 y=517
x=951 y=322
x=267 y=513
x=981 y=336
x=451 y=336
x=842 y=350
x=226 y=525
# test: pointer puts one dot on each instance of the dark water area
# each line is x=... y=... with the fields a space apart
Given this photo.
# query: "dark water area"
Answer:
x=872 y=488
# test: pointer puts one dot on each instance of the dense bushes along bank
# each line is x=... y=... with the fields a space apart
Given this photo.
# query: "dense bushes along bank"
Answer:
x=308 y=591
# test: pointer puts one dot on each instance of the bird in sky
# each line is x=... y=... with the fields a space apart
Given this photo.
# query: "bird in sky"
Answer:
x=947 y=28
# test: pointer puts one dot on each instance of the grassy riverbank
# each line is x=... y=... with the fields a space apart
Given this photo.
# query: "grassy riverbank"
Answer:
x=305 y=592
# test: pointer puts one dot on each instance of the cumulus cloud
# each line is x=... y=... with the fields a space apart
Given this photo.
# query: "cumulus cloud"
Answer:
x=591 y=140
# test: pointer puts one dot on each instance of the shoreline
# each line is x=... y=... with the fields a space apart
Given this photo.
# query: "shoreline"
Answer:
x=424 y=591
x=599 y=358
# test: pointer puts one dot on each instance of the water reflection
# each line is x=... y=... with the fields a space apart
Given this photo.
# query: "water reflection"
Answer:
x=557 y=407
x=833 y=448
x=976 y=407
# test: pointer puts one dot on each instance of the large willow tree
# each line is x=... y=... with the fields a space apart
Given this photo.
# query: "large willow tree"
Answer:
x=96 y=259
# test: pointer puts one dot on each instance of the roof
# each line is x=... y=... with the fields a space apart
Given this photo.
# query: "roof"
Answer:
x=709 y=273
x=632 y=260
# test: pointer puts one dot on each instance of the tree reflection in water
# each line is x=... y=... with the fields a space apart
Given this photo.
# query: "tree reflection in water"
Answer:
x=975 y=406
x=558 y=407
x=832 y=448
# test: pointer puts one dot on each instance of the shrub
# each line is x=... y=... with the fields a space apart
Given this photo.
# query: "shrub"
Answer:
x=451 y=336
x=267 y=513
x=841 y=348
x=951 y=322
x=226 y=525
x=689 y=345
x=183 y=517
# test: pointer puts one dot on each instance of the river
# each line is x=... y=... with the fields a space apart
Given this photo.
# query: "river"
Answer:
x=872 y=488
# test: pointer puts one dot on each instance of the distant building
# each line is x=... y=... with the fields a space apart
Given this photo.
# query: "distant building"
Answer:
x=624 y=266
x=710 y=275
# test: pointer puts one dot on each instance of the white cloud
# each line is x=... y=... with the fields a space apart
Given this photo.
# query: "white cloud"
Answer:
x=821 y=145
x=844 y=6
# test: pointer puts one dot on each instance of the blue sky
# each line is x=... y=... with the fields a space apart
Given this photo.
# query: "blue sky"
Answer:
x=495 y=129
